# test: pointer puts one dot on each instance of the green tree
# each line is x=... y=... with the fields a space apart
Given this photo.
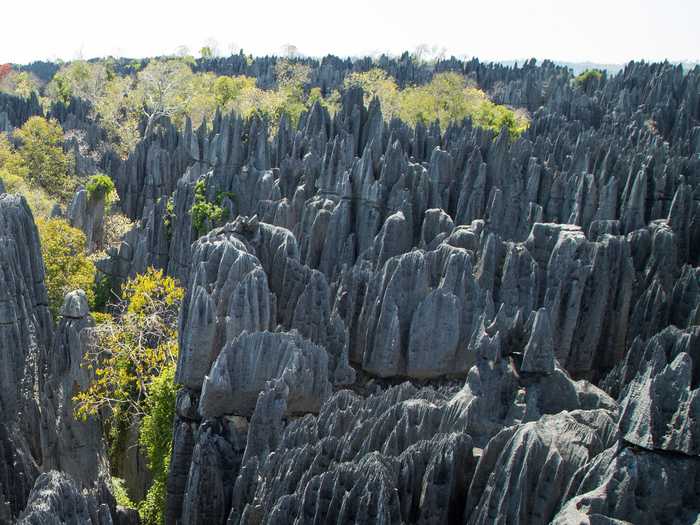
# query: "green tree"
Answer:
x=133 y=358
x=67 y=265
x=100 y=186
x=119 y=108
x=86 y=80
x=377 y=83
x=331 y=102
x=288 y=99
x=588 y=78
x=227 y=90
x=10 y=160
x=156 y=438
x=205 y=215
x=13 y=173
x=42 y=151
x=133 y=349
x=447 y=98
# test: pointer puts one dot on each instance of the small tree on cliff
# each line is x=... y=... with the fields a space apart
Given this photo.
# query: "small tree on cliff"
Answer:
x=164 y=87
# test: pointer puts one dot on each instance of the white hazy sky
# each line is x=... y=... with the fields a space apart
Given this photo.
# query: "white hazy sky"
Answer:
x=607 y=31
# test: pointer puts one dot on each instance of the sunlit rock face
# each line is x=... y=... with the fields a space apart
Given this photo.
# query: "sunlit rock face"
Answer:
x=521 y=307
x=393 y=324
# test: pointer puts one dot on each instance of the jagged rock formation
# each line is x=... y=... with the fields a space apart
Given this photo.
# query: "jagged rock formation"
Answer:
x=15 y=111
x=408 y=325
x=527 y=270
x=87 y=214
x=247 y=362
x=525 y=470
x=55 y=499
x=648 y=488
x=40 y=371
x=18 y=471
x=70 y=445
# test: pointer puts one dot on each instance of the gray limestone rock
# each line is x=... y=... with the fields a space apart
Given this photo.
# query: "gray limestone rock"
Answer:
x=417 y=297
x=86 y=212
x=386 y=450
x=659 y=410
x=18 y=470
x=56 y=500
x=227 y=294
x=70 y=445
x=538 y=356
x=25 y=333
x=524 y=471
x=628 y=485
x=496 y=395
x=525 y=267
x=247 y=362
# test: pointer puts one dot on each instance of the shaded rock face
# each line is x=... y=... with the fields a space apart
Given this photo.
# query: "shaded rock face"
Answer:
x=659 y=408
x=70 y=445
x=25 y=332
x=41 y=370
x=385 y=459
x=244 y=364
x=525 y=470
x=87 y=214
x=18 y=470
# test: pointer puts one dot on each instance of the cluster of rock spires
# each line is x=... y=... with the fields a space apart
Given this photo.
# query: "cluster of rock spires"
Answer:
x=395 y=324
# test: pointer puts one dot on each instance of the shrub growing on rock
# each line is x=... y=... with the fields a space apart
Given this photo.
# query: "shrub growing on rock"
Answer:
x=99 y=186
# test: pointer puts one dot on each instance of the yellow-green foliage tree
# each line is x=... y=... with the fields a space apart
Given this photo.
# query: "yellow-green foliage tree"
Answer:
x=587 y=78
x=114 y=99
x=228 y=90
x=79 y=79
x=331 y=102
x=118 y=108
x=164 y=87
x=377 y=83
x=447 y=98
x=292 y=77
x=41 y=149
x=10 y=160
x=67 y=265
x=133 y=358
x=156 y=438
x=169 y=88
x=13 y=173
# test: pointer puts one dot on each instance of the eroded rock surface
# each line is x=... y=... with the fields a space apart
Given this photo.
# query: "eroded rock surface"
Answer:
x=398 y=324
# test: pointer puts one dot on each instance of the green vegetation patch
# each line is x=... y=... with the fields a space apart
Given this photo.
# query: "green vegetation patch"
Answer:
x=133 y=364
x=206 y=214
x=99 y=187
x=585 y=78
x=66 y=262
x=447 y=98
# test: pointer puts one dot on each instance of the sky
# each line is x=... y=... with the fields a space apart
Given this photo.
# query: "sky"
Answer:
x=601 y=31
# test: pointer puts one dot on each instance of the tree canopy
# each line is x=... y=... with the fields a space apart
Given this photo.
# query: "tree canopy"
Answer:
x=66 y=262
x=447 y=98
x=41 y=149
